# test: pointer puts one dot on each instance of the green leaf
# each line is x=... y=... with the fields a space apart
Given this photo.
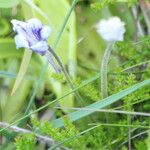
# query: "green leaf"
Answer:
x=101 y=104
x=6 y=74
x=23 y=68
x=26 y=58
x=9 y=3
x=8 y=49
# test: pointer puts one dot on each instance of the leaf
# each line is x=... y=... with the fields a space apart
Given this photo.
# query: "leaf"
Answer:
x=4 y=27
x=23 y=68
x=9 y=3
x=26 y=58
x=15 y=103
x=101 y=104
x=8 y=49
x=12 y=105
x=5 y=74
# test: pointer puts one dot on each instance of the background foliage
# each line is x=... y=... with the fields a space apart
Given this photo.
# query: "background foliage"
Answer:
x=42 y=102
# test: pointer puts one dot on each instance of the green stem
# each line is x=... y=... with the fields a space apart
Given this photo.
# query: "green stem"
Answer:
x=65 y=73
x=64 y=23
x=129 y=120
x=105 y=60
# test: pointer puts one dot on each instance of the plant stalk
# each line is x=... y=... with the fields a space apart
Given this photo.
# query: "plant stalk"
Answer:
x=21 y=130
x=65 y=73
x=51 y=62
x=105 y=60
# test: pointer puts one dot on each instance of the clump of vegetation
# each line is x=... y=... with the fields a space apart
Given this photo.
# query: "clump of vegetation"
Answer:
x=25 y=141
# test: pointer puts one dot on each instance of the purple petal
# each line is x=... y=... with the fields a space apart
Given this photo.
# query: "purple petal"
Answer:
x=31 y=34
x=34 y=27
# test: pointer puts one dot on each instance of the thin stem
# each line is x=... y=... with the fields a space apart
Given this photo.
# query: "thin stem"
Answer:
x=120 y=125
x=139 y=31
x=105 y=60
x=21 y=130
x=39 y=137
x=129 y=132
x=65 y=73
x=136 y=65
x=106 y=110
x=51 y=62
x=129 y=121
x=133 y=137
x=145 y=6
x=64 y=23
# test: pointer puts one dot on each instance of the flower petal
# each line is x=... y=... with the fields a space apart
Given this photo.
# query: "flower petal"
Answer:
x=112 y=29
x=40 y=47
x=34 y=23
x=21 y=41
x=32 y=34
x=18 y=24
x=45 y=32
x=33 y=29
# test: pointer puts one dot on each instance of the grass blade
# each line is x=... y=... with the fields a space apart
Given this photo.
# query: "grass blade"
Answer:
x=101 y=103
x=23 y=68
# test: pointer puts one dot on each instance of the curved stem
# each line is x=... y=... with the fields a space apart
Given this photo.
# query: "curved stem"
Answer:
x=105 y=60
x=51 y=62
x=65 y=73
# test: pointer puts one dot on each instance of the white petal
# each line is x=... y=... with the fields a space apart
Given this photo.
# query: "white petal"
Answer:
x=18 y=24
x=112 y=29
x=40 y=47
x=21 y=41
x=45 y=32
x=34 y=23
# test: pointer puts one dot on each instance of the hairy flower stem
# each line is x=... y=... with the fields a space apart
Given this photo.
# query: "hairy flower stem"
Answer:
x=65 y=73
x=105 y=60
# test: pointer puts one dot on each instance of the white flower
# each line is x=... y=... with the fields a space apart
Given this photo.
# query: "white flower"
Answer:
x=112 y=29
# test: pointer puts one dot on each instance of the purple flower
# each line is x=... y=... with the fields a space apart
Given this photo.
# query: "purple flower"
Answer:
x=32 y=34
